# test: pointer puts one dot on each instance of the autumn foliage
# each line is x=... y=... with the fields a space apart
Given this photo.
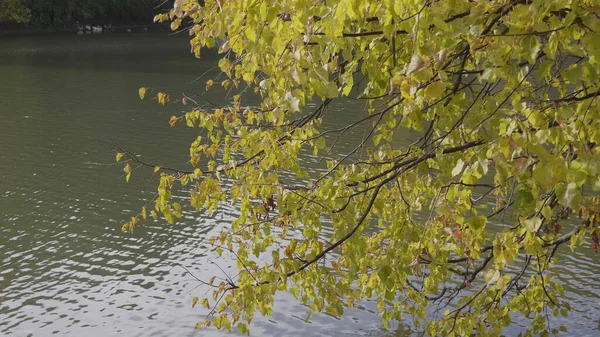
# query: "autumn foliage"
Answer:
x=501 y=98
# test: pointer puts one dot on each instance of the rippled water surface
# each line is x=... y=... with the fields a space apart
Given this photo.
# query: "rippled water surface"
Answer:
x=65 y=267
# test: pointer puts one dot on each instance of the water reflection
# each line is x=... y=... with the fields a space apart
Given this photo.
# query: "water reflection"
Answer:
x=65 y=268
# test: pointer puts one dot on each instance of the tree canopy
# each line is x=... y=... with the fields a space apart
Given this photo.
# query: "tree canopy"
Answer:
x=502 y=98
x=14 y=11
x=52 y=13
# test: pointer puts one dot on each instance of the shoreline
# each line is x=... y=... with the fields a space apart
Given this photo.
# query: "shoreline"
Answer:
x=133 y=28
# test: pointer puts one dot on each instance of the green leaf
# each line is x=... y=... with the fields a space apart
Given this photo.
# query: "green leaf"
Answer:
x=243 y=328
x=331 y=90
x=543 y=70
x=477 y=223
x=532 y=224
x=384 y=272
x=434 y=90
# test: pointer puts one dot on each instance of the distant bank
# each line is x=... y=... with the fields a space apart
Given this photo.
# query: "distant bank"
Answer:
x=18 y=17
x=84 y=29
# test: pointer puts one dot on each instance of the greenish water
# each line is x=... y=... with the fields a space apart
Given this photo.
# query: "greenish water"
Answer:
x=65 y=267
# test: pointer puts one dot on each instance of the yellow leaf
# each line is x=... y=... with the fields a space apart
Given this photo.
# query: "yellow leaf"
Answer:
x=173 y=121
x=171 y=181
x=156 y=169
x=263 y=11
x=205 y=303
x=458 y=168
x=127 y=169
x=250 y=33
x=194 y=301
x=119 y=156
x=162 y=98
x=128 y=176
x=142 y=92
x=175 y=24
x=195 y=160
x=144 y=214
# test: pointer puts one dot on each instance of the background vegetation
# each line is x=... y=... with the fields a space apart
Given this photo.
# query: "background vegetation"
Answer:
x=66 y=13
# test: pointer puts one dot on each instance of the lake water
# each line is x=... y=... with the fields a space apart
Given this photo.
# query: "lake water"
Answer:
x=65 y=267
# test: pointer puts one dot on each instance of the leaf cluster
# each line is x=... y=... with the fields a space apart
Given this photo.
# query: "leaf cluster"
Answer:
x=459 y=228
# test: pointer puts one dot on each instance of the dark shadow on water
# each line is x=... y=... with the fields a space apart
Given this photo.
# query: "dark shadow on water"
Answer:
x=127 y=52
